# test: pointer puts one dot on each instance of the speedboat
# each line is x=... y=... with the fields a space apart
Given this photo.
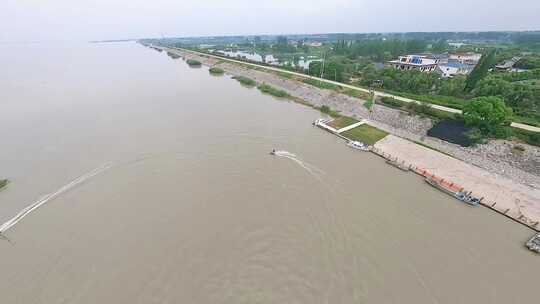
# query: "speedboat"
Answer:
x=273 y=152
x=358 y=145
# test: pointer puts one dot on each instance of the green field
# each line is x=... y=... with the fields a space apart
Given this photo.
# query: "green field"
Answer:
x=342 y=122
x=366 y=134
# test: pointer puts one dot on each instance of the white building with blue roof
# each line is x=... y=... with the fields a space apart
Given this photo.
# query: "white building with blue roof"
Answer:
x=454 y=68
x=424 y=63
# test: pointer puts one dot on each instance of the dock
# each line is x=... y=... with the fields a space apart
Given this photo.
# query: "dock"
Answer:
x=465 y=182
x=502 y=195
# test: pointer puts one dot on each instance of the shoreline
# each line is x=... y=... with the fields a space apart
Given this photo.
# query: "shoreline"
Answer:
x=502 y=195
x=514 y=201
x=515 y=193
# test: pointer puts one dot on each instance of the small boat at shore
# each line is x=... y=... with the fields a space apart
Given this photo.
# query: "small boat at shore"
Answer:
x=319 y=121
x=358 y=145
x=460 y=195
x=534 y=243
x=467 y=198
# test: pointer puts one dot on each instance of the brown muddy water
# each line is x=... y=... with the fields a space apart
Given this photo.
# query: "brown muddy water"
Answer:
x=188 y=206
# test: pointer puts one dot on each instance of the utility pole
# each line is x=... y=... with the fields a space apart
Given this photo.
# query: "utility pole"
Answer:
x=322 y=69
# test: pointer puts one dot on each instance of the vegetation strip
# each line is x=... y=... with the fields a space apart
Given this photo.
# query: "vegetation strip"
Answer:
x=450 y=104
x=3 y=183
x=265 y=88
x=193 y=62
x=366 y=134
x=245 y=81
x=216 y=71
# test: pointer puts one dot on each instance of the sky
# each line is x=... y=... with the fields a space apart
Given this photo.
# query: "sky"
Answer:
x=83 y=20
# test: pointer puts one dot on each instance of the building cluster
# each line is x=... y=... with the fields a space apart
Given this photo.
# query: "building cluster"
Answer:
x=305 y=42
x=448 y=65
x=508 y=65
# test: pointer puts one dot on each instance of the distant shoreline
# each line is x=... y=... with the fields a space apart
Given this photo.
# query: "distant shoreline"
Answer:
x=507 y=194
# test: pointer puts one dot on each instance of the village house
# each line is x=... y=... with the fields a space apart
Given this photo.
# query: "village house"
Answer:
x=424 y=63
x=313 y=43
x=470 y=58
x=508 y=65
x=454 y=68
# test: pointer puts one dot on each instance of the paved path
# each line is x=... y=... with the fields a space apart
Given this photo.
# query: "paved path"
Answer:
x=349 y=127
x=438 y=107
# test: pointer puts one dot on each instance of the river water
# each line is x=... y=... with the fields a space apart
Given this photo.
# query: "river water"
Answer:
x=187 y=206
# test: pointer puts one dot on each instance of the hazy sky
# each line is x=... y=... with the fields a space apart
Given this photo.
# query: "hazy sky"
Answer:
x=41 y=20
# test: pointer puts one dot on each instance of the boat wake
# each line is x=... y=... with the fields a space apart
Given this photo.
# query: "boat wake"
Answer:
x=79 y=180
x=314 y=171
x=42 y=201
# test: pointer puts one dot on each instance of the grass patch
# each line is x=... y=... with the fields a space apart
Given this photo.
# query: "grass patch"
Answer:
x=517 y=149
x=531 y=120
x=422 y=109
x=356 y=94
x=216 y=71
x=392 y=102
x=268 y=89
x=284 y=75
x=326 y=110
x=245 y=81
x=193 y=62
x=173 y=55
x=532 y=138
x=426 y=110
x=368 y=104
x=3 y=183
x=342 y=122
x=366 y=134
x=321 y=84
x=447 y=101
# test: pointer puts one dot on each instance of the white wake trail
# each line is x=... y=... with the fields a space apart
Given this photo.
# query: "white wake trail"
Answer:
x=26 y=211
x=314 y=171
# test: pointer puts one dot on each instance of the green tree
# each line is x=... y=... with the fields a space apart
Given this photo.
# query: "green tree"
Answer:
x=453 y=86
x=480 y=71
x=491 y=86
x=333 y=70
x=440 y=46
x=315 y=68
x=489 y=114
